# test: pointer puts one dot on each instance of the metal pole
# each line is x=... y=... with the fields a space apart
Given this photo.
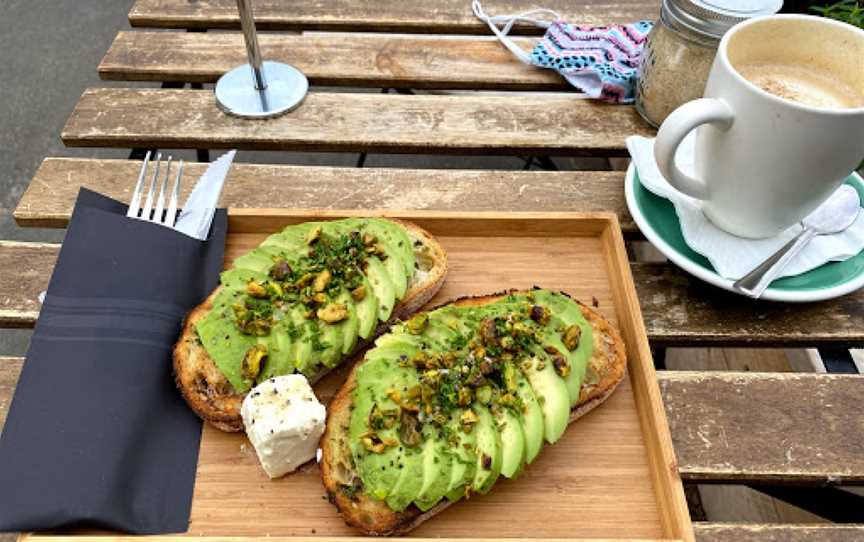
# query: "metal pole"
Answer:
x=250 y=36
x=245 y=91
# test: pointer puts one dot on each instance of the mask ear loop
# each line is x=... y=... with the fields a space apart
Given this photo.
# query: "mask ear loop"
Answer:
x=508 y=21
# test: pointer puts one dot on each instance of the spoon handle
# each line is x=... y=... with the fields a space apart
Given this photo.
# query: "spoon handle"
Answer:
x=756 y=282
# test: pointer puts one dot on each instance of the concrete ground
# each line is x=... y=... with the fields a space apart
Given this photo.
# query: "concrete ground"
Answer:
x=49 y=50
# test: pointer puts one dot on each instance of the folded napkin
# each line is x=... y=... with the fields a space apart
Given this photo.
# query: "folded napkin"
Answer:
x=732 y=256
x=97 y=434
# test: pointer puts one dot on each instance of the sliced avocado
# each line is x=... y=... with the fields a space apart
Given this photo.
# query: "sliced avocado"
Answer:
x=404 y=247
x=351 y=325
x=551 y=338
x=367 y=311
x=533 y=425
x=410 y=469
x=301 y=347
x=259 y=259
x=225 y=344
x=513 y=449
x=236 y=279
x=279 y=349
x=373 y=378
x=489 y=450
x=567 y=312
x=439 y=334
x=382 y=287
x=399 y=339
x=464 y=459
x=399 y=269
x=437 y=466
x=552 y=394
x=332 y=339
x=293 y=238
x=395 y=237
x=392 y=352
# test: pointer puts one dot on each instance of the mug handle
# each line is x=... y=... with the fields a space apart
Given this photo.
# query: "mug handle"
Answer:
x=673 y=130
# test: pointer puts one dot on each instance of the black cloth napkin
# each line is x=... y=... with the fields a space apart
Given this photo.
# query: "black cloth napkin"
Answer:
x=97 y=434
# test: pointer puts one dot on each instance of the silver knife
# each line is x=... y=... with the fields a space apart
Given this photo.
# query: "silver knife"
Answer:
x=198 y=211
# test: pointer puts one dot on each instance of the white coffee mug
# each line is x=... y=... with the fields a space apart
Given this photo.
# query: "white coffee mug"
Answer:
x=763 y=162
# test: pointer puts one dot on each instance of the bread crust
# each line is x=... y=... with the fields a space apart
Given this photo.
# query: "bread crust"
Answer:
x=214 y=399
x=606 y=370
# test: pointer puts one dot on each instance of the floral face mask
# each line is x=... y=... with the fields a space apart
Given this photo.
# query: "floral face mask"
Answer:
x=601 y=61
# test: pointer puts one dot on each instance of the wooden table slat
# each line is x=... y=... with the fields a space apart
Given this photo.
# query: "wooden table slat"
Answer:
x=765 y=427
x=547 y=124
x=330 y=60
x=725 y=532
x=441 y=16
x=50 y=197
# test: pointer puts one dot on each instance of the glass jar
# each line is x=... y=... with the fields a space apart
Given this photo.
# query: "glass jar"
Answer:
x=681 y=47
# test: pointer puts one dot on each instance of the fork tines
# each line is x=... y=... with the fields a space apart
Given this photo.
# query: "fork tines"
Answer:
x=159 y=215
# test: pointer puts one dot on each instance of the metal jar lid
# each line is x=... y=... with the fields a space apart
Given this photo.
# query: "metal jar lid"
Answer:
x=712 y=18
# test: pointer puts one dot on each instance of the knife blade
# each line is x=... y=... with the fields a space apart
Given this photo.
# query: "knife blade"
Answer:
x=200 y=206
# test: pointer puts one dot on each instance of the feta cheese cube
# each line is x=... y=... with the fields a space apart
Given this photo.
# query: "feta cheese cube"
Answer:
x=284 y=422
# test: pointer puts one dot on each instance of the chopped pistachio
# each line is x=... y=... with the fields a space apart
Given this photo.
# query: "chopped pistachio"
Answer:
x=274 y=289
x=333 y=312
x=322 y=280
x=418 y=323
x=250 y=367
x=369 y=239
x=409 y=432
x=571 y=337
x=562 y=366
x=540 y=314
x=256 y=290
x=358 y=293
x=280 y=270
x=313 y=235
x=468 y=419
x=488 y=333
x=305 y=280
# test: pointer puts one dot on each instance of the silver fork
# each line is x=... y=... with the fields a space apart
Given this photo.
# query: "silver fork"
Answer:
x=159 y=215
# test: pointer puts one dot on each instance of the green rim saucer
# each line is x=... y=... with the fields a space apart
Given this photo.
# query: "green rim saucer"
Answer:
x=658 y=221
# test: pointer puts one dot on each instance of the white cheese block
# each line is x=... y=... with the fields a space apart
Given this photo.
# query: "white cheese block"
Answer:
x=284 y=422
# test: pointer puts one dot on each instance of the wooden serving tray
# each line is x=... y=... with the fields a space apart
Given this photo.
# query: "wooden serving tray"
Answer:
x=613 y=475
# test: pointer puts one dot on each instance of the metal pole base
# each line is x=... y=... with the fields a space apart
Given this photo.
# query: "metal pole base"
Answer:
x=236 y=93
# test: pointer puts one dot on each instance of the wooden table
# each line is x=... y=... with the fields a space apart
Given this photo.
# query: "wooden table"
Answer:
x=745 y=428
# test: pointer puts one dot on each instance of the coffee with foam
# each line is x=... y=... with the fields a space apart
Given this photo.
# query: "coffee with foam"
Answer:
x=806 y=85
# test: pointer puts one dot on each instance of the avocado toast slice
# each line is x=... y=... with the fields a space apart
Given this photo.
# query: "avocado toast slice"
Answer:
x=491 y=383
x=305 y=300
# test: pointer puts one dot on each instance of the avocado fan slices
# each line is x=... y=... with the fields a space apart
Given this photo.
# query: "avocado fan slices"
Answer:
x=303 y=299
x=452 y=399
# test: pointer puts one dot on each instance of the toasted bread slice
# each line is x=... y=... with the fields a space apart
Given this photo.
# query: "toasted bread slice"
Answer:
x=213 y=397
x=605 y=371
